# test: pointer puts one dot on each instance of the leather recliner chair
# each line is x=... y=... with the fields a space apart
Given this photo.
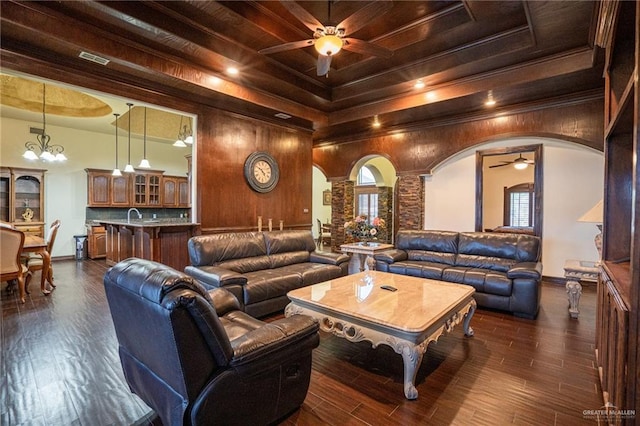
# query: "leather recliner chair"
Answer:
x=195 y=358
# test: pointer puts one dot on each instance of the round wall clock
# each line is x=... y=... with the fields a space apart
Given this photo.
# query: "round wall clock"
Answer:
x=261 y=171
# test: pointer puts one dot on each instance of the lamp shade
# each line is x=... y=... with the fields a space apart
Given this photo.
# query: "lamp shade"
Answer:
x=328 y=45
x=594 y=215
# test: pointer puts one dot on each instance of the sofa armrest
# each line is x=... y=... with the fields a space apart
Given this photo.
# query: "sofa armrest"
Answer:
x=270 y=338
x=531 y=270
x=390 y=256
x=224 y=301
x=328 y=258
x=215 y=276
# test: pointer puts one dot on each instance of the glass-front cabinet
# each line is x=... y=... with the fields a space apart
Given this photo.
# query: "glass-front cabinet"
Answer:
x=5 y=194
x=146 y=188
x=22 y=199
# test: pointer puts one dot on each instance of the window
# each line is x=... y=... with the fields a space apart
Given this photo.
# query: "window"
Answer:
x=365 y=177
x=519 y=205
x=366 y=194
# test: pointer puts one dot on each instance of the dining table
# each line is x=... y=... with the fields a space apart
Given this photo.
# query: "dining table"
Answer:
x=38 y=245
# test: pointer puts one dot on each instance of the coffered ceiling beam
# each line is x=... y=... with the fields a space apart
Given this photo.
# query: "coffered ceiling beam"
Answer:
x=561 y=64
x=67 y=39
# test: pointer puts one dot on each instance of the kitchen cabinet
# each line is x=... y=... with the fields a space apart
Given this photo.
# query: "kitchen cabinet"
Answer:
x=175 y=191
x=618 y=300
x=97 y=241
x=164 y=241
x=106 y=190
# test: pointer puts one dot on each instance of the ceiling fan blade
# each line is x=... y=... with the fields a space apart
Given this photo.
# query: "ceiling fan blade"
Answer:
x=364 y=47
x=324 y=63
x=363 y=16
x=302 y=15
x=500 y=165
x=288 y=46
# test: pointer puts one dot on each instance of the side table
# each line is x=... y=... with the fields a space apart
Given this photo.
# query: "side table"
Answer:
x=365 y=253
x=576 y=271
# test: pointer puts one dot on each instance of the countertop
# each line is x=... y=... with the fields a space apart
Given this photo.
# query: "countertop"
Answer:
x=145 y=223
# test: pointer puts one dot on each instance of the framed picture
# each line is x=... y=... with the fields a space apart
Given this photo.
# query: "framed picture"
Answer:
x=326 y=198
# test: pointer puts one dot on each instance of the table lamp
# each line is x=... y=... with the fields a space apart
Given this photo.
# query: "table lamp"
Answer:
x=594 y=215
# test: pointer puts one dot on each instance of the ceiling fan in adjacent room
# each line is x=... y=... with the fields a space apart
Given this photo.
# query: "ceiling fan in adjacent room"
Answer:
x=519 y=163
x=328 y=39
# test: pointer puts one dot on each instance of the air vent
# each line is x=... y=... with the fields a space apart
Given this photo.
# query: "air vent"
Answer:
x=94 y=58
x=283 y=116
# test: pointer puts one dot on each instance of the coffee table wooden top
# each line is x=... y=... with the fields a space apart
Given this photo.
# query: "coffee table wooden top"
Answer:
x=415 y=307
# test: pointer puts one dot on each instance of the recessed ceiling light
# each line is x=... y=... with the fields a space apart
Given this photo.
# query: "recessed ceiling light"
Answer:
x=375 y=123
x=431 y=96
x=419 y=84
x=283 y=115
x=233 y=71
x=490 y=101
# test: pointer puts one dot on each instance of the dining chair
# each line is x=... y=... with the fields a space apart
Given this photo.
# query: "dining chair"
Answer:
x=324 y=234
x=35 y=262
x=11 y=242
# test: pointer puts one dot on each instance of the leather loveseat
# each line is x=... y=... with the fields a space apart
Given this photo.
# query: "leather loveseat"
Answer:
x=504 y=269
x=259 y=268
x=196 y=358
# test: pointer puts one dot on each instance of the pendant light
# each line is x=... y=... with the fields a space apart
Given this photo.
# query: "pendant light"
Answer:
x=129 y=168
x=144 y=164
x=179 y=143
x=188 y=133
x=116 y=171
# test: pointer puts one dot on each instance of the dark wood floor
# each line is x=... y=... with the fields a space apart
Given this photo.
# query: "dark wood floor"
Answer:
x=60 y=366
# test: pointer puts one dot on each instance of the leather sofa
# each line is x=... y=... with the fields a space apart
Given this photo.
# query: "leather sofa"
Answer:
x=259 y=268
x=196 y=358
x=504 y=269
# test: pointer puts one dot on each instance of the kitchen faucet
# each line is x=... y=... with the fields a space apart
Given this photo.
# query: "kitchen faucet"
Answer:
x=129 y=214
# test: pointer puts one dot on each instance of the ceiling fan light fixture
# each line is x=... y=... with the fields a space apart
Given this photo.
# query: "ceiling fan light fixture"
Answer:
x=328 y=45
x=520 y=165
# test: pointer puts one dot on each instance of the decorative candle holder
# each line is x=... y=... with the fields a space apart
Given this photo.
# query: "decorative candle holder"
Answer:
x=281 y=225
x=259 y=223
x=270 y=224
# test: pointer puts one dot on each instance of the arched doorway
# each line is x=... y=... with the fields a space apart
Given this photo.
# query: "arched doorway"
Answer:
x=374 y=178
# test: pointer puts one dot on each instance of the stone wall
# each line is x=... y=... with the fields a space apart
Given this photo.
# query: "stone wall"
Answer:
x=410 y=203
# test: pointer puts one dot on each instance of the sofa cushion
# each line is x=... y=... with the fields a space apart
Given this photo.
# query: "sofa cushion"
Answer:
x=269 y=284
x=215 y=248
x=289 y=241
x=248 y=264
x=485 y=262
x=483 y=280
x=283 y=259
x=436 y=241
x=432 y=256
x=429 y=270
x=314 y=273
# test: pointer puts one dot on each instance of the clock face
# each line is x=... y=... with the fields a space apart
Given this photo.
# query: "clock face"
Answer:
x=261 y=171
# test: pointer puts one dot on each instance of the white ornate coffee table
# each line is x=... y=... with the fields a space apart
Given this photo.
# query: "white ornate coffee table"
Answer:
x=356 y=308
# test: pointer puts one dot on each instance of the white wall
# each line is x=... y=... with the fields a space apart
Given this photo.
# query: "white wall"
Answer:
x=65 y=195
x=318 y=210
x=573 y=183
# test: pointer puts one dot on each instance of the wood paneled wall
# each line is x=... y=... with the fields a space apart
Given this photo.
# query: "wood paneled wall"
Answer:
x=417 y=151
x=225 y=201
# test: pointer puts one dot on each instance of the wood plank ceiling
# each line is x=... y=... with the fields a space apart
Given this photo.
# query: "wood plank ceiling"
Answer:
x=519 y=52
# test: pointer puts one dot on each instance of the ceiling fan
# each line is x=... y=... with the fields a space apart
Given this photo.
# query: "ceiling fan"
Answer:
x=329 y=40
x=519 y=163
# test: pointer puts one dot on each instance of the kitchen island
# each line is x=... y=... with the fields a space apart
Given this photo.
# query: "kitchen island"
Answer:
x=161 y=240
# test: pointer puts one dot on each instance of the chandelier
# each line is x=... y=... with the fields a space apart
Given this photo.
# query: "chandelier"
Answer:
x=48 y=151
x=185 y=134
